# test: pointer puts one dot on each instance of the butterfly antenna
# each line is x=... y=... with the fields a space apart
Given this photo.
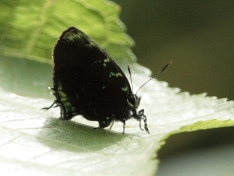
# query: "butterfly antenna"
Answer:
x=129 y=71
x=155 y=75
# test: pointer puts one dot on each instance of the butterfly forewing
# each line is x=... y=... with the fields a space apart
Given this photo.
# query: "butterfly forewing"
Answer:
x=87 y=81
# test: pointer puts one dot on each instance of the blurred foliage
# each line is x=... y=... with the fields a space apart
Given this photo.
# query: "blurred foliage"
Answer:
x=29 y=29
x=196 y=35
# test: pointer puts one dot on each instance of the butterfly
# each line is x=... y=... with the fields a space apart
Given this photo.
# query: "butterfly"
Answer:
x=88 y=82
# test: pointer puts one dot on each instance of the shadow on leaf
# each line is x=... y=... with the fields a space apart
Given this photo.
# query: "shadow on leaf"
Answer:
x=73 y=136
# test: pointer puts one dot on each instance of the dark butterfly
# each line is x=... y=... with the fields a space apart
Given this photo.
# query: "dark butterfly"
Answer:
x=88 y=82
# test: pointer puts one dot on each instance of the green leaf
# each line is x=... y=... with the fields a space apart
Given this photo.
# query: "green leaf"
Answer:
x=36 y=142
x=29 y=29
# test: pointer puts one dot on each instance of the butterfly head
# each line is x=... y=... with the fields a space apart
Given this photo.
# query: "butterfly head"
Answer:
x=134 y=101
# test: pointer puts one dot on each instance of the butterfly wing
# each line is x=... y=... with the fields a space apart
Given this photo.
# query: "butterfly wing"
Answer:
x=87 y=81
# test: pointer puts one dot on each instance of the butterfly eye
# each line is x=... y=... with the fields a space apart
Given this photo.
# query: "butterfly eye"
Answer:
x=131 y=101
x=134 y=101
x=137 y=101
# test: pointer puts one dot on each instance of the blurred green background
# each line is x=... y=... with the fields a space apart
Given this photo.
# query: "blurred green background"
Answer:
x=196 y=35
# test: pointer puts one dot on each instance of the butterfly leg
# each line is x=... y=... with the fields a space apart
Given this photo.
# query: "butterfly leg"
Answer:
x=145 y=122
x=140 y=125
x=112 y=124
x=123 y=127
x=47 y=108
x=65 y=114
x=141 y=114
